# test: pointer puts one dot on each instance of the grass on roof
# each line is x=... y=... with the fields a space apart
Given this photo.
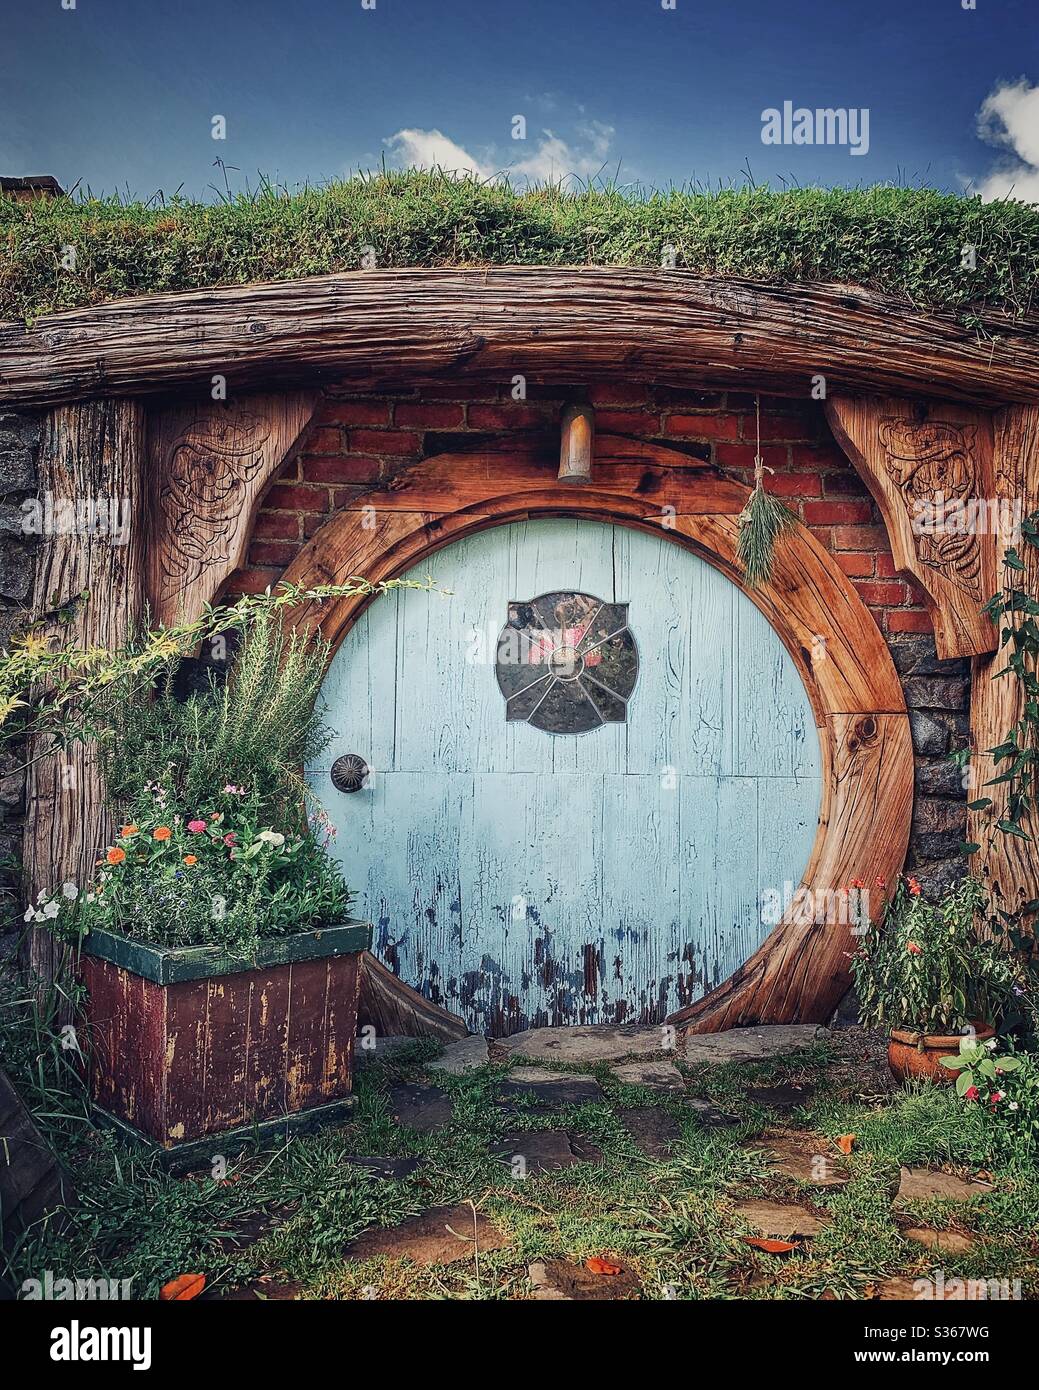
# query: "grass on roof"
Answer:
x=937 y=250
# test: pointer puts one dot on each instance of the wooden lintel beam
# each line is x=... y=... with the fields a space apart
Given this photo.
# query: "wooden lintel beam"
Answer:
x=374 y=327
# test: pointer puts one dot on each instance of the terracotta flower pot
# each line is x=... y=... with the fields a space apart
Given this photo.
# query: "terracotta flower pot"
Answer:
x=916 y=1054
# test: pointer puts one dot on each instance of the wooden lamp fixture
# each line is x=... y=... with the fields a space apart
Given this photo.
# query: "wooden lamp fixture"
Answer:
x=577 y=443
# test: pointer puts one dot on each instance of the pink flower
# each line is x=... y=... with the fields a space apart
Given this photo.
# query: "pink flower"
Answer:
x=230 y=838
x=971 y=1093
x=196 y=826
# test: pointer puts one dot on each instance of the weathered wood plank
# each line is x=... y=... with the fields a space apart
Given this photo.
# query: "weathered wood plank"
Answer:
x=633 y=324
x=92 y=456
x=800 y=972
x=1006 y=864
x=927 y=467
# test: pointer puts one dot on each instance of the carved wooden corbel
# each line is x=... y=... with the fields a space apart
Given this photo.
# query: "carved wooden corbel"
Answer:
x=209 y=463
x=929 y=467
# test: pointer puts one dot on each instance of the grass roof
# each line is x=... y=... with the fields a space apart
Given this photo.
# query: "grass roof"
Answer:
x=908 y=242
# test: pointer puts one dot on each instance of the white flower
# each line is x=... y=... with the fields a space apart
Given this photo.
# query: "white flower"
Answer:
x=30 y=915
x=1013 y=1105
x=51 y=910
x=69 y=890
x=272 y=837
x=991 y=1044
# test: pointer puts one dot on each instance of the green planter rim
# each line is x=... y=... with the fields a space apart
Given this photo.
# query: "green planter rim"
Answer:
x=169 y=965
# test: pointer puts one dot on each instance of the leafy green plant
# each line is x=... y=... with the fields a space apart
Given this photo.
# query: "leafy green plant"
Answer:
x=218 y=878
x=928 y=968
x=1006 y=1084
x=256 y=728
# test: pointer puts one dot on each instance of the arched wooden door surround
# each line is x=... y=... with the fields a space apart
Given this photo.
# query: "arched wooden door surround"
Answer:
x=801 y=970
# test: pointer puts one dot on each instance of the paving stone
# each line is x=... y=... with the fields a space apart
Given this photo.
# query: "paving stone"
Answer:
x=427 y=1239
x=599 y=1043
x=805 y=1157
x=564 y=1281
x=266 y=1287
x=783 y=1097
x=550 y=1087
x=919 y=1184
x=660 y=1075
x=902 y=1288
x=708 y=1114
x=751 y=1044
x=946 y=1242
x=420 y=1107
x=545 y=1149
x=389 y=1168
x=780 y=1221
x=462 y=1056
x=653 y=1129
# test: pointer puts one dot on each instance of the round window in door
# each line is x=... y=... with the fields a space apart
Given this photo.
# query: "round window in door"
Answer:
x=584 y=770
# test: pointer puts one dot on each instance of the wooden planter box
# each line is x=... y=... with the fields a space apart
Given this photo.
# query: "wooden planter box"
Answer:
x=188 y=1043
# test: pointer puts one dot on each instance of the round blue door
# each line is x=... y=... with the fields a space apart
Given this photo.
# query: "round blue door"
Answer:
x=591 y=763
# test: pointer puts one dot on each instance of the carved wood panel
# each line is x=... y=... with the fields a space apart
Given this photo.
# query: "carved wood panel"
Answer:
x=929 y=468
x=209 y=464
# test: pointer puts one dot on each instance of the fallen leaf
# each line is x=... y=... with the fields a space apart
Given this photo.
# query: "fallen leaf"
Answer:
x=184 y=1286
x=600 y=1266
x=846 y=1142
x=772 y=1247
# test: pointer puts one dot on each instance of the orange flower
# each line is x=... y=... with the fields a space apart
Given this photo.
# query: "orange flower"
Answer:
x=161 y=832
x=914 y=886
x=116 y=855
x=190 y=859
x=127 y=831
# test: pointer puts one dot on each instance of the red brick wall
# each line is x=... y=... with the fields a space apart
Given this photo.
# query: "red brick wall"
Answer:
x=356 y=441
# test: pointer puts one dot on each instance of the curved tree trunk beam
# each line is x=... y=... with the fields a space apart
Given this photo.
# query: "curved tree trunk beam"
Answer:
x=395 y=1010
x=384 y=326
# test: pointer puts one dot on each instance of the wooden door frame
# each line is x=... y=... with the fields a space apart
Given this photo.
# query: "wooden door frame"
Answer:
x=801 y=970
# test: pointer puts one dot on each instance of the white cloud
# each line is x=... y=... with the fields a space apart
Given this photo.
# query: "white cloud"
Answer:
x=432 y=149
x=1009 y=117
x=551 y=158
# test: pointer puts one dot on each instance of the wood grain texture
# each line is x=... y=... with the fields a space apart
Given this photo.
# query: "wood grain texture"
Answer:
x=208 y=465
x=92 y=453
x=194 y=1058
x=384 y=326
x=396 y=1010
x=800 y=972
x=836 y=647
x=924 y=466
x=1006 y=864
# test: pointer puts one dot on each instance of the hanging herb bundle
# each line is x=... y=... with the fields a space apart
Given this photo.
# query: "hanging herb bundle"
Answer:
x=761 y=522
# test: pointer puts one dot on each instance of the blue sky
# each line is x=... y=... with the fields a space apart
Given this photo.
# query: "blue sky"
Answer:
x=117 y=93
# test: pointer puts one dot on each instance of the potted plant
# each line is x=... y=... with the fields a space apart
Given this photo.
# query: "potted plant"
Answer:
x=221 y=963
x=928 y=975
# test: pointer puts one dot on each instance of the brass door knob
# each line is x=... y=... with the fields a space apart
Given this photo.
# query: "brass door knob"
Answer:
x=350 y=773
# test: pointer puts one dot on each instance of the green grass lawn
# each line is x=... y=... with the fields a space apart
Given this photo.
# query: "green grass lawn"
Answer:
x=673 y=1222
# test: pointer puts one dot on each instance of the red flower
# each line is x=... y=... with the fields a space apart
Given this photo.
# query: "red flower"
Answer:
x=914 y=949
x=230 y=838
x=914 y=887
x=971 y=1093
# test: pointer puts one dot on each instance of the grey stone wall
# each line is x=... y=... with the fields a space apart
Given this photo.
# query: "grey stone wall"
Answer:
x=19 y=454
x=938 y=698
